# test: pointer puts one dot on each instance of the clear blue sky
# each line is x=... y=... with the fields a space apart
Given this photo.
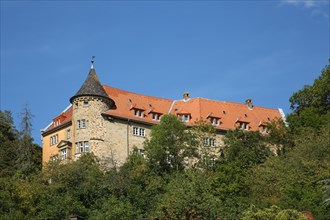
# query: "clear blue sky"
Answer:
x=223 y=50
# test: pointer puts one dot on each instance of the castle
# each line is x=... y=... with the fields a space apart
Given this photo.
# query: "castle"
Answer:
x=109 y=122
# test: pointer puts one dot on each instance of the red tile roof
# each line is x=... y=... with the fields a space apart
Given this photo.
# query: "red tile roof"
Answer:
x=230 y=113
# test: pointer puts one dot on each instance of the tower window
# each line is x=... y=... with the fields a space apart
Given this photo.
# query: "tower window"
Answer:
x=81 y=123
x=85 y=104
x=82 y=146
x=76 y=105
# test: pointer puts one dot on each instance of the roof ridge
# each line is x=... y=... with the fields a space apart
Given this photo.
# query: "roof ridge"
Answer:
x=136 y=93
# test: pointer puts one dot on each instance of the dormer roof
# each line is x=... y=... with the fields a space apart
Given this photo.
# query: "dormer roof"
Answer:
x=91 y=87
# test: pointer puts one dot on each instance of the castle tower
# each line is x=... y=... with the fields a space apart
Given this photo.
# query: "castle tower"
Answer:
x=88 y=104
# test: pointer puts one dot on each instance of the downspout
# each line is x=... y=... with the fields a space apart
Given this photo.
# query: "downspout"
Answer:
x=127 y=138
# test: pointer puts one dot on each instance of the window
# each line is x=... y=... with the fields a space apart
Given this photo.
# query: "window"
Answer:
x=53 y=140
x=81 y=123
x=138 y=113
x=155 y=116
x=82 y=146
x=68 y=134
x=85 y=104
x=245 y=115
x=142 y=134
x=215 y=121
x=86 y=146
x=184 y=118
x=135 y=131
x=54 y=158
x=212 y=142
x=244 y=125
x=264 y=129
x=138 y=131
x=76 y=105
x=209 y=142
x=141 y=152
x=64 y=154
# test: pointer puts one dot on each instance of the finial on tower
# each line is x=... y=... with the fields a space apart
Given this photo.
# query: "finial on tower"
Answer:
x=92 y=66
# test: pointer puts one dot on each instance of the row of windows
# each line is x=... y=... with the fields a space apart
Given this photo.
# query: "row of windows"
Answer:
x=85 y=104
x=139 y=113
x=82 y=146
x=139 y=131
x=53 y=139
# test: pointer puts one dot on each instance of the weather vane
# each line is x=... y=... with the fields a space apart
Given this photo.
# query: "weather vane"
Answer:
x=93 y=57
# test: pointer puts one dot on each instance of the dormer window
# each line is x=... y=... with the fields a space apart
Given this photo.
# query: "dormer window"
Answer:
x=263 y=129
x=184 y=117
x=138 y=113
x=155 y=116
x=215 y=121
x=244 y=125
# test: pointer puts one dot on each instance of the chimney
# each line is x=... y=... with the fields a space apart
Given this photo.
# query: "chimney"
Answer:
x=249 y=103
x=186 y=96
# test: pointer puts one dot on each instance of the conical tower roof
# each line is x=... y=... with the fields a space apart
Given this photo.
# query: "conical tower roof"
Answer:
x=91 y=87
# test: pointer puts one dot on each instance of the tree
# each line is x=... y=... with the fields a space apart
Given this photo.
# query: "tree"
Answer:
x=245 y=149
x=169 y=145
x=8 y=144
x=272 y=213
x=311 y=105
x=29 y=154
x=317 y=95
x=188 y=195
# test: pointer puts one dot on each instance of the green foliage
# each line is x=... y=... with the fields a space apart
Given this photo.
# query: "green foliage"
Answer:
x=187 y=196
x=169 y=145
x=272 y=213
x=317 y=96
x=311 y=104
x=245 y=149
x=18 y=154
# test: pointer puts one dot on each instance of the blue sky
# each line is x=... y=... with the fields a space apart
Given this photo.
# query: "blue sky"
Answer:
x=222 y=50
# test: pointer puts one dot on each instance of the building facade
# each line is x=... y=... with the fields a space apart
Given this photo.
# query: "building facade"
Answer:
x=109 y=122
